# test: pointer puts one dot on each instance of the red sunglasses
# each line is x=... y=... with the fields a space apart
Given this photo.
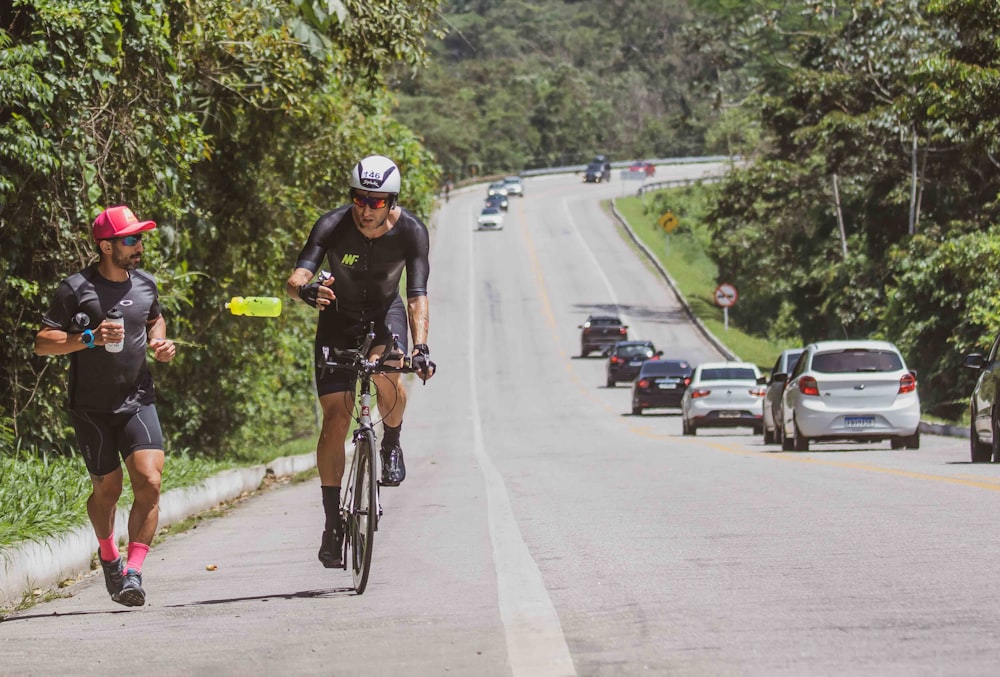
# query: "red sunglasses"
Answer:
x=373 y=202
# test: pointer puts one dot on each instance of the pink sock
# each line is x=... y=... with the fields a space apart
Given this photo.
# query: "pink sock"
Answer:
x=136 y=556
x=108 y=548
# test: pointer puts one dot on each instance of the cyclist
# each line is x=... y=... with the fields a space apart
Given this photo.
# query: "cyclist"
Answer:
x=367 y=243
x=111 y=394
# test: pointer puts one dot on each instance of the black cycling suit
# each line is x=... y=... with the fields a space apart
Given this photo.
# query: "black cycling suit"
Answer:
x=366 y=282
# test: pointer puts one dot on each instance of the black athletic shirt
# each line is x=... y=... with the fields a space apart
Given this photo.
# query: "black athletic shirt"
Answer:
x=367 y=272
x=100 y=381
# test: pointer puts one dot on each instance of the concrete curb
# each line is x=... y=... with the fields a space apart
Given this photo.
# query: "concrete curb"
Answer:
x=925 y=427
x=43 y=565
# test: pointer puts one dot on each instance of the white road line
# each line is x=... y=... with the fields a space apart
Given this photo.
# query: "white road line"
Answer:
x=633 y=331
x=535 y=641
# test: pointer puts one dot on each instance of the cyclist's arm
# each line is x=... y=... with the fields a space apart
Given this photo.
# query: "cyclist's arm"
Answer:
x=419 y=314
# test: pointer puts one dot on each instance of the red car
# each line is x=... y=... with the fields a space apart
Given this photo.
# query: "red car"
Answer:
x=646 y=167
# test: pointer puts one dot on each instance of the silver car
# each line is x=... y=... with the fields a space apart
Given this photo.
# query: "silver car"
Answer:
x=854 y=390
x=514 y=185
x=775 y=388
x=723 y=394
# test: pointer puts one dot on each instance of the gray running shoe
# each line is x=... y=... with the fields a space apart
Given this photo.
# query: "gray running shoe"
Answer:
x=131 y=593
x=113 y=574
x=393 y=468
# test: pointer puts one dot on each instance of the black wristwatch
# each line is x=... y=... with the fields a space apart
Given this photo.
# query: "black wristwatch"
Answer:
x=88 y=338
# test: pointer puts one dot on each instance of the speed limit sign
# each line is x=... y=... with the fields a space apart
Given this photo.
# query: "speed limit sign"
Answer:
x=726 y=295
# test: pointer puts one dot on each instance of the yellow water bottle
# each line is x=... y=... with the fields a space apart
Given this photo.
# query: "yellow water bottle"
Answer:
x=255 y=306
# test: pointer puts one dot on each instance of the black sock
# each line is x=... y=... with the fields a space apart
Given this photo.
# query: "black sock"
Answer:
x=390 y=436
x=331 y=506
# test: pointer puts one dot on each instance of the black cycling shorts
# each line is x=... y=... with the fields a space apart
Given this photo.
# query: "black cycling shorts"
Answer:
x=346 y=333
x=106 y=438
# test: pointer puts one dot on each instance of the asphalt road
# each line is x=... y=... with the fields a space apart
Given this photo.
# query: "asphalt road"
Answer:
x=544 y=530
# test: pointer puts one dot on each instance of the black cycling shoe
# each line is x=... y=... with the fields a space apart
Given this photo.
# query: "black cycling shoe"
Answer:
x=331 y=550
x=393 y=468
x=113 y=574
x=131 y=593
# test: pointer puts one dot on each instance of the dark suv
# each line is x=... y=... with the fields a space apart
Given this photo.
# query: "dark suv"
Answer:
x=597 y=172
x=625 y=359
x=600 y=332
x=984 y=415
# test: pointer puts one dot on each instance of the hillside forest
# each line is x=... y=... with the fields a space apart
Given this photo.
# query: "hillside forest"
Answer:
x=865 y=205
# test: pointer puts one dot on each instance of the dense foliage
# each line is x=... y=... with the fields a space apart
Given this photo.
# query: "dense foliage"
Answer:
x=233 y=125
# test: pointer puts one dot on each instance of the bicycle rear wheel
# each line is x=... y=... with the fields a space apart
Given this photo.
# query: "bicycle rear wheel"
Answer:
x=361 y=532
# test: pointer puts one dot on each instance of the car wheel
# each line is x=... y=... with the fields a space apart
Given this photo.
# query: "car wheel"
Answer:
x=913 y=441
x=584 y=351
x=787 y=443
x=995 y=429
x=636 y=411
x=610 y=383
x=759 y=430
x=981 y=452
x=686 y=427
x=799 y=441
x=897 y=443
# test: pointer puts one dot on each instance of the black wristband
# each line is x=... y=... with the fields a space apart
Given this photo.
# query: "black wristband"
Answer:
x=422 y=349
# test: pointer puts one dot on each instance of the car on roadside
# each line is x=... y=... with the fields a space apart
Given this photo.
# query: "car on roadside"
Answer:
x=490 y=218
x=497 y=200
x=660 y=384
x=647 y=168
x=851 y=390
x=600 y=332
x=626 y=358
x=514 y=185
x=984 y=414
x=775 y=388
x=723 y=395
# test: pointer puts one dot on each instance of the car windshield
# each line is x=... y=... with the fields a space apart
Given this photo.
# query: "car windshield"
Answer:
x=490 y=210
x=604 y=321
x=728 y=374
x=853 y=361
x=658 y=368
x=635 y=351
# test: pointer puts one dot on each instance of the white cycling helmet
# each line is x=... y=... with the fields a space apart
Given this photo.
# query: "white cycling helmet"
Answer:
x=376 y=173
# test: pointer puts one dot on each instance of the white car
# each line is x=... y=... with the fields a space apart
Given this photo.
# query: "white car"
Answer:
x=723 y=395
x=775 y=388
x=514 y=185
x=855 y=390
x=490 y=219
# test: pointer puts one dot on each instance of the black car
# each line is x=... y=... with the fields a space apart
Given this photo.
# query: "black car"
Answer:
x=984 y=415
x=597 y=172
x=626 y=358
x=497 y=200
x=600 y=332
x=660 y=384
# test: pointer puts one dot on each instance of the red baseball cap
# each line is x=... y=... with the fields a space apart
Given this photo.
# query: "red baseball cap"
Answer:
x=118 y=222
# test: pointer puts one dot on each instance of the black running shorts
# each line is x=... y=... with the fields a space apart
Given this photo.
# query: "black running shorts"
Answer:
x=106 y=438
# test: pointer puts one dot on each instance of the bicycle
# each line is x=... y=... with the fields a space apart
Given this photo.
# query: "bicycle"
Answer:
x=359 y=502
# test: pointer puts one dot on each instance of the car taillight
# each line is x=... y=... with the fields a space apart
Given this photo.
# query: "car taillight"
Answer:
x=655 y=357
x=643 y=383
x=808 y=386
x=701 y=393
x=758 y=391
x=622 y=331
x=907 y=383
x=586 y=330
x=616 y=360
x=687 y=382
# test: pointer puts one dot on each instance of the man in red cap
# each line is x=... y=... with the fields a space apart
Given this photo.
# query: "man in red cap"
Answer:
x=105 y=318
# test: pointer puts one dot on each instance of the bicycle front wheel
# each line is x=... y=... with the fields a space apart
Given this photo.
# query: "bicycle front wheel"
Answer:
x=365 y=511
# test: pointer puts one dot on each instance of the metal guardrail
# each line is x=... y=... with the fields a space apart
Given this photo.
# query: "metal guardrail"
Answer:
x=673 y=183
x=620 y=164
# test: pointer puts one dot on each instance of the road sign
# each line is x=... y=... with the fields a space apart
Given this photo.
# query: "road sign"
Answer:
x=668 y=222
x=726 y=295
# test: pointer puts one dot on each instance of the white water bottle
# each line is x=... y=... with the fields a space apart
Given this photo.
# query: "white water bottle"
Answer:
x=115 y=315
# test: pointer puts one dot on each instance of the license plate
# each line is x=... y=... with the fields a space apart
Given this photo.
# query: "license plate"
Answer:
x=635 y=363
x=729 y=414
x=859 y=421
x=667 y=385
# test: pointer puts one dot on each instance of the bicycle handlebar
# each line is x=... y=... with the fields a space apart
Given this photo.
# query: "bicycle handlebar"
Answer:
x=356 y=362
